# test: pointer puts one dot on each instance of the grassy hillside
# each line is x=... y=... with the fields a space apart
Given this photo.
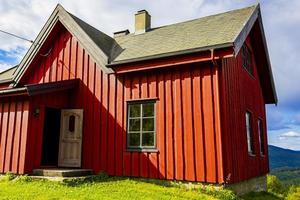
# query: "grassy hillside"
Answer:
x=283 y=158
x=289 y=176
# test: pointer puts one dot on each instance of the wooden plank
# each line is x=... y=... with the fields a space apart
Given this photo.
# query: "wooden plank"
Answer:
x=209 y=126
x=119 y=127
x=10 y=137
x=66 y=56
x=24 y=134
x=178 y=127
x=104 y=121
x=161 y=132
x=169 y=127
x=60 y=61
x=97 y=119
x=5 y=121
x=17 y=139
x=198 y=126
x=73 y=58
x=188 y=126
x=111 y=123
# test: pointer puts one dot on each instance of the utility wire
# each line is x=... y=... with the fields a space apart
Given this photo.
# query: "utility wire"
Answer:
x=14 y=35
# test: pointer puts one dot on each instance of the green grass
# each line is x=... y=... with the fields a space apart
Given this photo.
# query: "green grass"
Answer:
x=104 y=187
x=109 y=188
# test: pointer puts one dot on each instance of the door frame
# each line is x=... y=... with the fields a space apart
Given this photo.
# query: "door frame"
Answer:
x=60 y=161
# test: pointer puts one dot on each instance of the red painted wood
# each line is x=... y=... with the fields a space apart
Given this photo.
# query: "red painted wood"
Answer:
x=245 y=90
x=4 y=128
x=195 y=106
x=17 y=138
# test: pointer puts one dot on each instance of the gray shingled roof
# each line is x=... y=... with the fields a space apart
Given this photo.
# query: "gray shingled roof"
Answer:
x=215 y=30
x=8 y=74
x=103 y=41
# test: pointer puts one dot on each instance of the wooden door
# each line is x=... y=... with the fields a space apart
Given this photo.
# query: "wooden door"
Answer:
x=70 y=138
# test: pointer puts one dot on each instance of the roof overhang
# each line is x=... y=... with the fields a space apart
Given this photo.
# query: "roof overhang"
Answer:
x=43 y=88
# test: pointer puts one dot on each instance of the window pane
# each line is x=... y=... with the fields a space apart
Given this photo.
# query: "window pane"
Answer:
x=72 y=123
x=134 y=124
x=261 y=137
x=148 y=124
x=134 y=139
x=249 y=132
x=148 y=110
x=135 y=110
x=148 y=139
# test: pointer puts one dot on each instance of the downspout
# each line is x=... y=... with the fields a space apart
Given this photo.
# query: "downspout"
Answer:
x=217 y=111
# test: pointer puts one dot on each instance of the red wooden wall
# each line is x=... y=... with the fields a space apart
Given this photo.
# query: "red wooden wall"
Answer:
x=240 y=92
x=188 y=123
x=189 y=117
x=14 y=116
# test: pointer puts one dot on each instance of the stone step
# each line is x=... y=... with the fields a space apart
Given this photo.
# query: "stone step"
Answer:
x=61 y=172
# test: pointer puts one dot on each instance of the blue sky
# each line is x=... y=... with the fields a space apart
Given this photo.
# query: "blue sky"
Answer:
x=281 y=20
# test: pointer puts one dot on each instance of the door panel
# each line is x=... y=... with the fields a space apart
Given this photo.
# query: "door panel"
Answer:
x=70 y=138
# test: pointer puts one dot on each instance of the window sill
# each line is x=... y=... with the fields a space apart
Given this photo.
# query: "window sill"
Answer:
x=143 y=150
x=251 y=155
x=142 y=99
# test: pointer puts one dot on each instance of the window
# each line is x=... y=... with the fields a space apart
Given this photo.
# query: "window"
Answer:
x=141 y=125
x=72 y=123
x=247 y=59
x=261 y=137
x=249 y=132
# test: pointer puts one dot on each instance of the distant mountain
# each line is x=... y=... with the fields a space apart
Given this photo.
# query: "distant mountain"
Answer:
x=283 y=158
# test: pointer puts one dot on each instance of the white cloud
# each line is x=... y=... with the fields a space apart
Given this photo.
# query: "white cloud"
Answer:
x=290 y=134
x=4 y=66
x=281 y=22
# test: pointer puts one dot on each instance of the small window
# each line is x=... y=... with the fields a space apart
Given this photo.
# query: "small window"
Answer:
x=247 y=59
x=141 y=125
x=249 y=132
x=72 y=123
x=261 y=137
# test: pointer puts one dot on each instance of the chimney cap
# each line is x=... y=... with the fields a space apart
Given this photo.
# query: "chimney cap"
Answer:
x=141 y=11
x=121 y=33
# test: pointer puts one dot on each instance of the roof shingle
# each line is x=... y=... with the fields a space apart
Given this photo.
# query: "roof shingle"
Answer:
x=204 y=32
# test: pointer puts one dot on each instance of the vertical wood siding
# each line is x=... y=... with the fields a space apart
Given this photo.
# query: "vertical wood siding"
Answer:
x=14 y=115
x=188 y=121
x=240 y=92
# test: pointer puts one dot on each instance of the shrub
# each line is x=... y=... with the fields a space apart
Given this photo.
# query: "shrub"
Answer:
x=274 y=185
x=294 y=193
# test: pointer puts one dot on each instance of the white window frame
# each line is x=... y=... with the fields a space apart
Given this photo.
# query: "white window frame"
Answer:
x=141 y=103
x=261 y=137
x=249 y=131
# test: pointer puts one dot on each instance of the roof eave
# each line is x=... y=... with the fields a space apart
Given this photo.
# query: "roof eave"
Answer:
x=170 y=54
x=9 y=80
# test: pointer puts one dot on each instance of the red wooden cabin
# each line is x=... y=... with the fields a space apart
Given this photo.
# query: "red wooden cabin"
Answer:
x=179 y=102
